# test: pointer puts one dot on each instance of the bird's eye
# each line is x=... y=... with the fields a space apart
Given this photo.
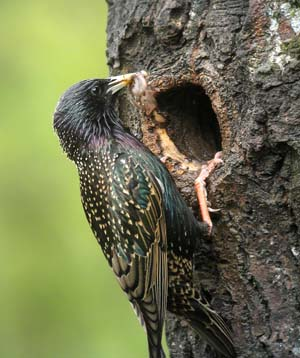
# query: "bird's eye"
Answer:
x=95 y=91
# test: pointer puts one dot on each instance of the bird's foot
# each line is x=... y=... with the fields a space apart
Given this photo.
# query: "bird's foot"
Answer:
x=200 y=187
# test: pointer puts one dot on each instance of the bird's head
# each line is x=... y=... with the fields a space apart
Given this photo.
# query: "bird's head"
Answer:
x=85 y=114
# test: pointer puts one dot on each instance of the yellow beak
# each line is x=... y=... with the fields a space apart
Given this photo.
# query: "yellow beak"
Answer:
x=118 y=82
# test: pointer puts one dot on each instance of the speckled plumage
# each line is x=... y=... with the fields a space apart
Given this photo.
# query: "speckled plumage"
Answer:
x=146 y=231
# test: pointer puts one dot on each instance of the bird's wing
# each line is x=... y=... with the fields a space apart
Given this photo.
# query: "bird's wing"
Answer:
x=140 y=242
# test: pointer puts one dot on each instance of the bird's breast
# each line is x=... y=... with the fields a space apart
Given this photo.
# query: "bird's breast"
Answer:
x=96 y=176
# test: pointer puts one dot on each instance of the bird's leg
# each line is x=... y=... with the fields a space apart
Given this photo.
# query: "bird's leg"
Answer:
x=200 y=187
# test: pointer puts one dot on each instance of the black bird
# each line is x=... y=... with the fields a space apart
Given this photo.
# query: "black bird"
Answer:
x=144 y=227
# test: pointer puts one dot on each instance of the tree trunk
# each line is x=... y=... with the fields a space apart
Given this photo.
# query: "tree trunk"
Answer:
x=225 y=74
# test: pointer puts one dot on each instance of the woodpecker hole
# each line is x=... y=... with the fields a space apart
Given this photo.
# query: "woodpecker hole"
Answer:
x=191 y=121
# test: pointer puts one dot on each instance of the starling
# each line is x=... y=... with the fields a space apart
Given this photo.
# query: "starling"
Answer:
x=145 y=229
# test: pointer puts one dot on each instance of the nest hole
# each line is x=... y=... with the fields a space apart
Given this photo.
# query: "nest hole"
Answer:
x=191 y=121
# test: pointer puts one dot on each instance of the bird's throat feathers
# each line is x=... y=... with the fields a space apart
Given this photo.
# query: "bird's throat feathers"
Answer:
x=86 y=136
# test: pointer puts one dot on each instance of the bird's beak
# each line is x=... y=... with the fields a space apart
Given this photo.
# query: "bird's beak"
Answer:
x=118 y=82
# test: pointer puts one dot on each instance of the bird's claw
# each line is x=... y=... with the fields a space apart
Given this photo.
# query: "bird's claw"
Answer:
x=211 y=210
x=164 y=158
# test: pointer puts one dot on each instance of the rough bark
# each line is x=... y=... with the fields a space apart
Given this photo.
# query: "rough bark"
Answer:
x=226 y=74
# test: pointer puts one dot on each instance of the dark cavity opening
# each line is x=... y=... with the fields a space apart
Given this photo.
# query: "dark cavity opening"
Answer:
x=192 y=123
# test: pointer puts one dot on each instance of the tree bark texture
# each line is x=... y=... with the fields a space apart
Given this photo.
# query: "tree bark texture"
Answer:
x=226 y=75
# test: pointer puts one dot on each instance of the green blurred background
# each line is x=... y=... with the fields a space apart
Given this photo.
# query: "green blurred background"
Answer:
x=58 y=297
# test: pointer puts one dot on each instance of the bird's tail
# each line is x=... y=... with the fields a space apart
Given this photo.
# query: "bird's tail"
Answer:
x=150 y=319
x=153 y=324
x=210 y=326
x=155 y=352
